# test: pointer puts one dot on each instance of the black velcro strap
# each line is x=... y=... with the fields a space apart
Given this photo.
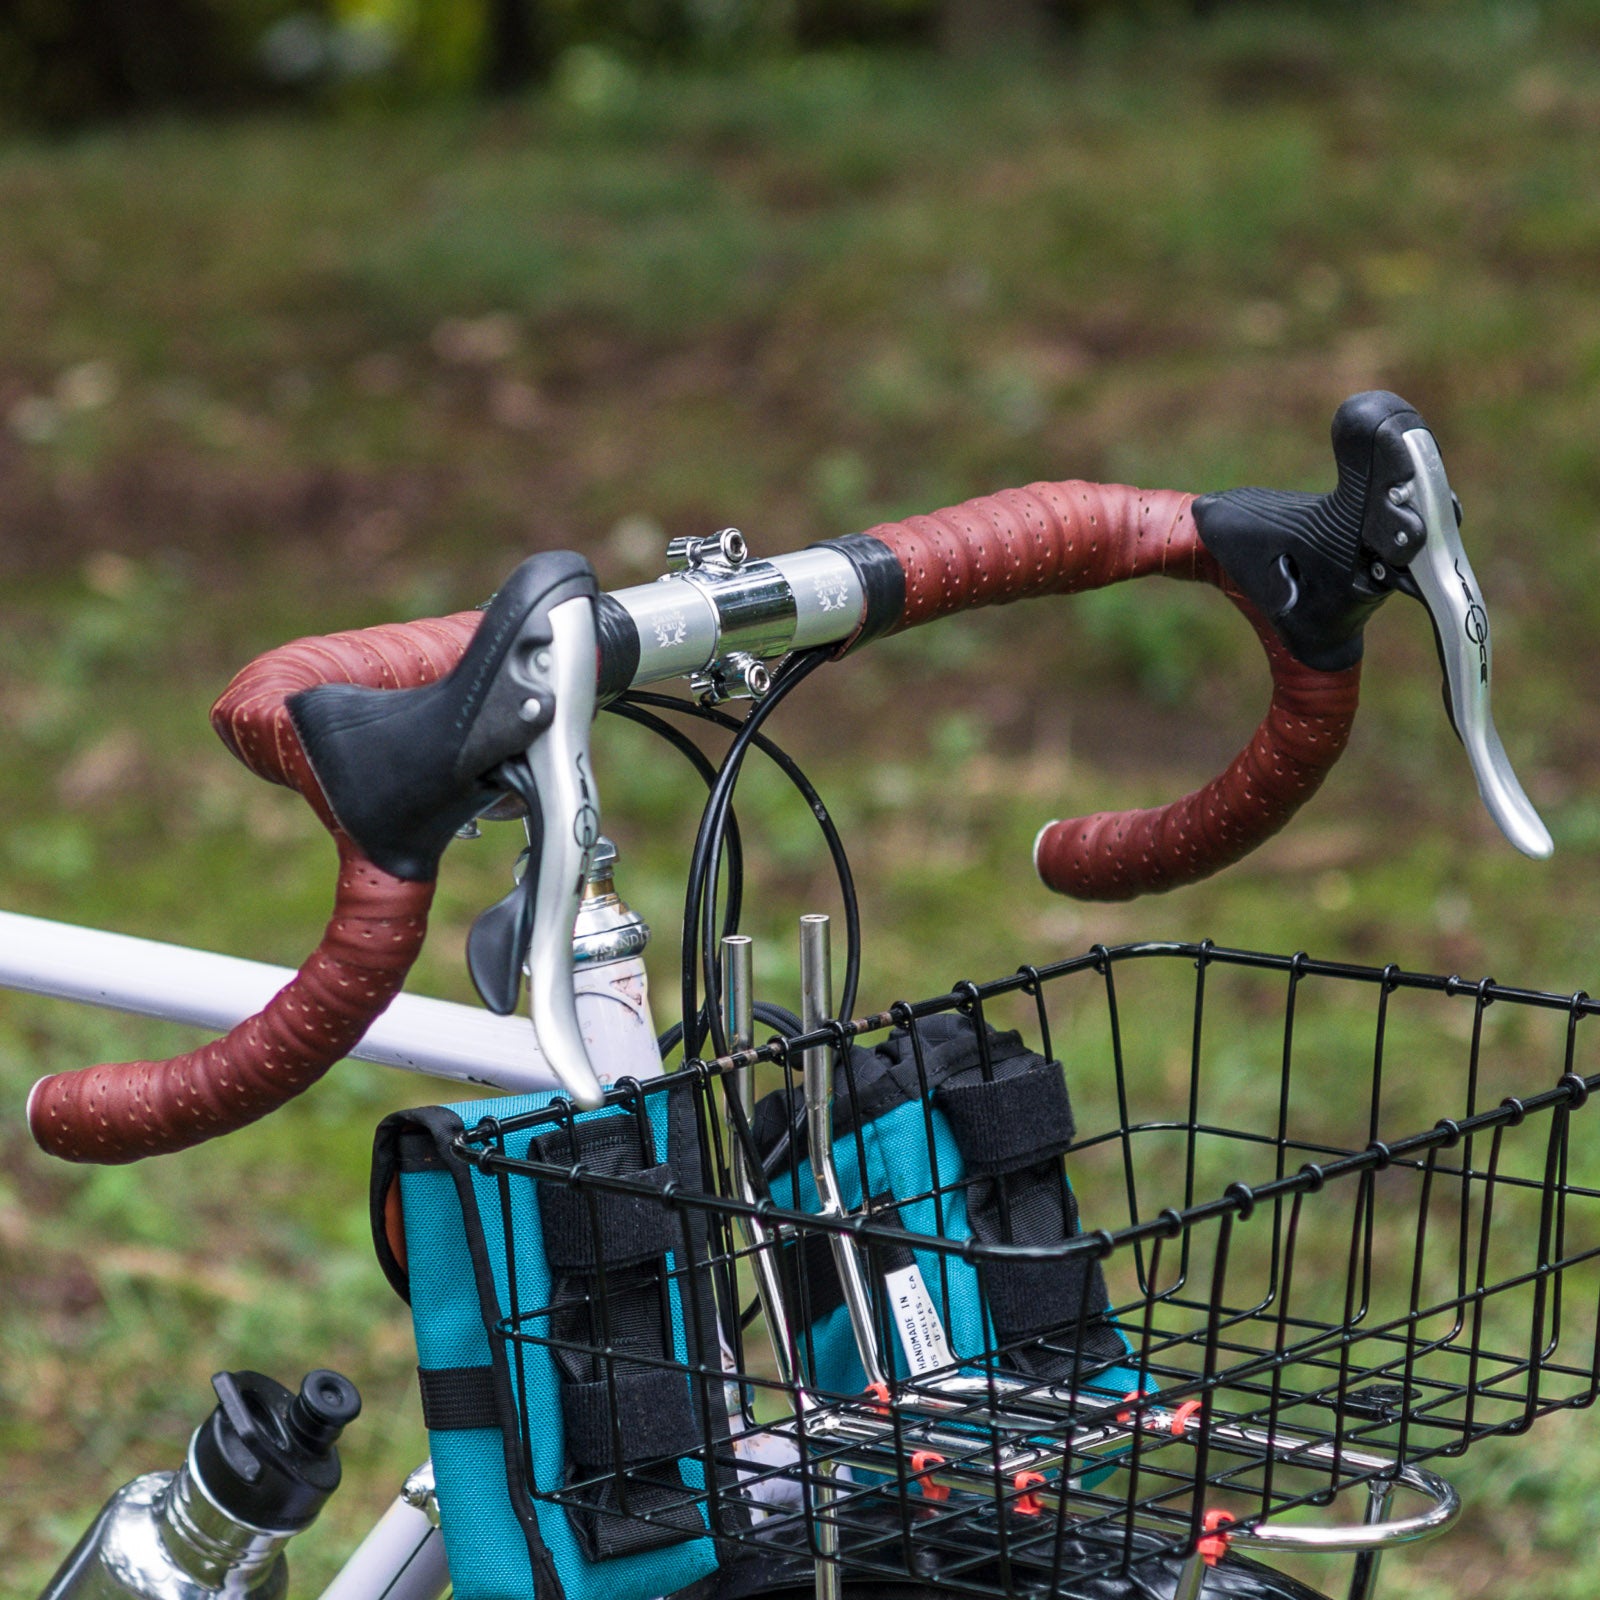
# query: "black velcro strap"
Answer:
x=654 y=1418
x=1029 y=1297
x=458 y=1397
x=1063 y=1299
x=620 y=1230
x=1018 y=1119
x=810 y=1278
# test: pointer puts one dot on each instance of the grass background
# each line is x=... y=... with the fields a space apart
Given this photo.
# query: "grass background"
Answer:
x=273 y=377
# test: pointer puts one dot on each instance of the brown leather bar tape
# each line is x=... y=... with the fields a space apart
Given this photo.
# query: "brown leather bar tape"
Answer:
x=1061 y=538
x=122 y=1112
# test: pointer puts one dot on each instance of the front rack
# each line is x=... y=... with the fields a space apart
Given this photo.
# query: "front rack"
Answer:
x=1317 y=1302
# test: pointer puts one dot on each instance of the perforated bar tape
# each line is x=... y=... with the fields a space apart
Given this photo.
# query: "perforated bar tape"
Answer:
x=121 y=1112
x=1062 y=538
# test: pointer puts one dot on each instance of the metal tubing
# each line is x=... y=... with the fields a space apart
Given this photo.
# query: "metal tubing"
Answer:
x=1364 y=1574
x=861 y=1438
x=402 y=1558
x=1192 y=1578
x=176 y=984
x=738 y=1001
x=816 y=1003
x=738 y=1013
x=816 y=1009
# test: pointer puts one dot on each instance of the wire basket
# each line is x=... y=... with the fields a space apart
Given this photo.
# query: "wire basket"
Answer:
x=1309 y=1301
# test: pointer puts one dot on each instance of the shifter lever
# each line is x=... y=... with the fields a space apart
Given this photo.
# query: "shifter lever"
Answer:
x=1318 y=566
x=403 y=769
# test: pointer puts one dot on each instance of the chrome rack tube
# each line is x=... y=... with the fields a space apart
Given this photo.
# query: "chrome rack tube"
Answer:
x=816 y=1010
x=866 y=1442
x=816 y=1006
x=738 y=1086
x=1364 y=1574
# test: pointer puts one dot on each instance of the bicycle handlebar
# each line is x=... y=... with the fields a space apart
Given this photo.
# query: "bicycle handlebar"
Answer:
x=123 y=1112
x=1263 y=549
x=1067 y=537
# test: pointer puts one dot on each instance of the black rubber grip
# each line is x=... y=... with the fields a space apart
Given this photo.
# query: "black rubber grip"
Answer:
x=619 y=649
x=404 y=769
x=1318 y=565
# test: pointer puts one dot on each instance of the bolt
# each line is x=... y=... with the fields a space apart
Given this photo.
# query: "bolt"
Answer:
x=733 y=546
x=1399 y=494
x=531 y=709
x=1402 y=539
x=757 y=679
x=1379 y=572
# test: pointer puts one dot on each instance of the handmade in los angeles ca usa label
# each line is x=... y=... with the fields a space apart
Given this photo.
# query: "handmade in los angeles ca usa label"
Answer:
x=917 y=1321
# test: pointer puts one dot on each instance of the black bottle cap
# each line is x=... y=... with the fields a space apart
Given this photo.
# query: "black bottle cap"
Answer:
x=267 y=1456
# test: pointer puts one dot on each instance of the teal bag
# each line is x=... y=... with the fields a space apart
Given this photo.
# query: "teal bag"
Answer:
x=503 y=1274
x=957 y=1136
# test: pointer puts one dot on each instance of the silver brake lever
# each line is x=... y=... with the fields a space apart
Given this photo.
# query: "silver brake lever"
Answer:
x=558 y=760
x=1446 y=586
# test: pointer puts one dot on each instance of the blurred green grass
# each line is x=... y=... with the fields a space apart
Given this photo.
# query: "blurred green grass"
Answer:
x=273 y=377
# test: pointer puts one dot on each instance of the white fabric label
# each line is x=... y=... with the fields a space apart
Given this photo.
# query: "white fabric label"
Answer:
x=921 y=1332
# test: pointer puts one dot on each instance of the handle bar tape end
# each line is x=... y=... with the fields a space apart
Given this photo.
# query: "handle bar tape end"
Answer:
x=115 y=1113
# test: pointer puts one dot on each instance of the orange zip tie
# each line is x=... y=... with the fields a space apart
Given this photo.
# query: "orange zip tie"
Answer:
x=1214 y=1546
x=1027 y=1505
x=879 y=1393
x=1132 y=1394
x=1180 y=1417
x=922 y=1464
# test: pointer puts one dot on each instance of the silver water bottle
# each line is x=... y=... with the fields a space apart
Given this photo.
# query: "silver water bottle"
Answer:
x=259 y=1470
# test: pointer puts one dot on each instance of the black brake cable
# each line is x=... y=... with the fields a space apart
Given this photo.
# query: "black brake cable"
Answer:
x=847 y=892
x=705 y=859
x=634 y=708
x=718 y=830
x=700 y=902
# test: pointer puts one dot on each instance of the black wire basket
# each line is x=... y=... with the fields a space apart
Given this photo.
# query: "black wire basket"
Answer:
x=1294 y=1232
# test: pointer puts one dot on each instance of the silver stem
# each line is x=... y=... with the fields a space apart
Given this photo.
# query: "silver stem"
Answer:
x=816 y=1008
x=691 y=620
x=738 y=996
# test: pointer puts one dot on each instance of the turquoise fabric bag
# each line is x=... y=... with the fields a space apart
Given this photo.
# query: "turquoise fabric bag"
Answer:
x=948 y=1136
x=503 y=1274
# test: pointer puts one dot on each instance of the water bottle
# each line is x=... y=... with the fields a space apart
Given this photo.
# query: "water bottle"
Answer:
x=259 y=1470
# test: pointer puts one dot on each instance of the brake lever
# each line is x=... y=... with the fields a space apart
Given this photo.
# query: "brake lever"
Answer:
x=1318 y=566
x=1441 y=577
x=554 y=780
